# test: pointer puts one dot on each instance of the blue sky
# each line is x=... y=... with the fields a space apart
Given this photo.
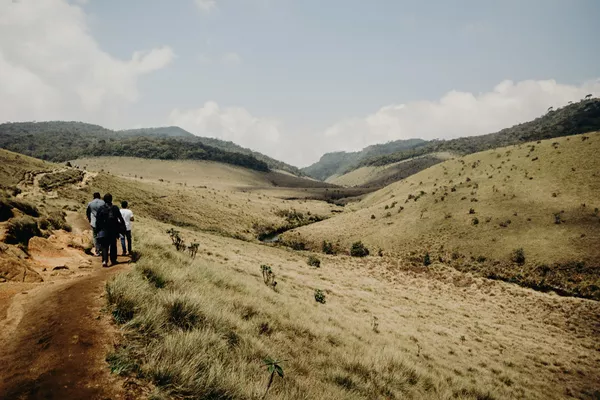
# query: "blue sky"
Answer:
x=297 y=78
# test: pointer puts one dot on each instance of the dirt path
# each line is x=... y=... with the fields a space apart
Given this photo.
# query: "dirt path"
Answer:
x=55 y=339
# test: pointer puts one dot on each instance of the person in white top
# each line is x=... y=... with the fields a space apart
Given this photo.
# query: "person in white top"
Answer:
x=127 y=215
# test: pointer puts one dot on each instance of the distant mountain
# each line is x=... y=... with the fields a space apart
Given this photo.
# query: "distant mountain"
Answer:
x=61 y=141
x=66 y=140
x=572 y=119
x=339 y=162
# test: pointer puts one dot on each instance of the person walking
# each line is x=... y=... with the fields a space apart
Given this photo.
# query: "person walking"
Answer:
x=110 y=224
x=91 y=212
x=127 y=215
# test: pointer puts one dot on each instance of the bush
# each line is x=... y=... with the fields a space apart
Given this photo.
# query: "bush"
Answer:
x=358 y=249
x=24 y=207
x=55 y=220
x=518 y=256
x=320 y=296
x=327 y=247
x=20 y=230
x=313 y=261
x=426 y=260
x=475 y=221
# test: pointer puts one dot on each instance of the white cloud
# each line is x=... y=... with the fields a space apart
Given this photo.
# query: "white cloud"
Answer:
x=231 y=59
x=231 y=123
x=52 y=68
x=206 y=5
x=456 y=114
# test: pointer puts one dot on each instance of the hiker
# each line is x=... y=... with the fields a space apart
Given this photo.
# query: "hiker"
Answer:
x=91 y=212
x=127 y=215
x=110 y=224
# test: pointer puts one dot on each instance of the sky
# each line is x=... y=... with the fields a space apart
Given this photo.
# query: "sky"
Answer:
x=295 y=79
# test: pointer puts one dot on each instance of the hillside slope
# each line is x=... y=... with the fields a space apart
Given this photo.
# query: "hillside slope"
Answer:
x=475 y=211
x=61 y=141
x=339 y=162
x=572 y=119
x=380 y=176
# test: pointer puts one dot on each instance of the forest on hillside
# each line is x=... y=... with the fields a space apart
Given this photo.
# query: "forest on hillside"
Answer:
x=572 y=119
x=60 y=141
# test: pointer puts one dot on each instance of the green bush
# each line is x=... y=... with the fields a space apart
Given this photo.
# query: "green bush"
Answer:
x=313 y=261
x=518 y=256
x=320 y=296
x=426 y=260
x=327 y=247
x=20 y=230
x=358 y=249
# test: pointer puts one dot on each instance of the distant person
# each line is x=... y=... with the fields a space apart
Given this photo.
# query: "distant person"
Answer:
x=127 y=215
x=109 y=224
x=91 y=212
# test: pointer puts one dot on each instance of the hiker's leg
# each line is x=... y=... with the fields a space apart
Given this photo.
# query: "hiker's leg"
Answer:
x=104 y=250
x=128 y=235
x=123 y=244
x=113 y=249
x=97 y=248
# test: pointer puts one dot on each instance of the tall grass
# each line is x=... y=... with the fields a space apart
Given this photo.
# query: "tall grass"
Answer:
x=205 y=331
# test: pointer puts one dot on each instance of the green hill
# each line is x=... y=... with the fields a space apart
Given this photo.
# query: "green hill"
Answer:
x=339 y=162
x=572 y=119
x=61 y=141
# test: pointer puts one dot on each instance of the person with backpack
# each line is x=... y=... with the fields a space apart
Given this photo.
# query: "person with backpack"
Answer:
x=127 y=215
x=91 y=212
x=109 y=224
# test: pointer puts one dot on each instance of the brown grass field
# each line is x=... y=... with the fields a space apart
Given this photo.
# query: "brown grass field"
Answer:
x=473 y=212
x=390 y=328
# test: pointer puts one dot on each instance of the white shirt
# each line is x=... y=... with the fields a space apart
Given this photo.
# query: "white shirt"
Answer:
x=127 y=214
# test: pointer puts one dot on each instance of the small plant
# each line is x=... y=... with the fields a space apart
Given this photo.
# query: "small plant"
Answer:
x=518 y=256
x=426 y=259
x=380 y=252
x=268 y=276
x=319 y=296
x=472 y=211
x=358 y=249
x=327 y=247
x=193 y=249
x=313 y=261
x=273 y=368
x=372 y=216
x=375 y=324
x=475 y=221
x=388 y=214
x=558 y=219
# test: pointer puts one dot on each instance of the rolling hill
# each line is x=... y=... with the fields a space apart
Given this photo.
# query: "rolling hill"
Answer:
x=475 y=212
x=62 y=141
x=340 y=162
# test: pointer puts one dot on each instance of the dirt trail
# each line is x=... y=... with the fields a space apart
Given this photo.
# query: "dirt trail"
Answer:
x=58 y=347
x=53 y=336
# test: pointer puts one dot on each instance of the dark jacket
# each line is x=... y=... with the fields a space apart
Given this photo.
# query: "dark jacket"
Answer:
x=107 y=226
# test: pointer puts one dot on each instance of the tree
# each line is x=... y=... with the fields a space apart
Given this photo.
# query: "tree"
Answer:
x=550 y=108
x=589 y=96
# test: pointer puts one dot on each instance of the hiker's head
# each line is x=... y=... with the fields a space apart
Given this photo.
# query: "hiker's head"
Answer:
x=96 y=195
x=124 y=204
x=108 y=198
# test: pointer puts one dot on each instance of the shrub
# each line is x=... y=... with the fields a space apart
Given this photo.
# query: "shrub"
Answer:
x=320 y=296
x=472 y=211
x=24 y=207
x=183 y=314
x=518 y=256
x=5 y=211
x=475 y=221
x=55 y=220
x=20 y=230
x=557 y=219
x=372 y=216
x=426 y=260
x=327 y=247
x=313 y=261
x=268 y=276
x=358 y=249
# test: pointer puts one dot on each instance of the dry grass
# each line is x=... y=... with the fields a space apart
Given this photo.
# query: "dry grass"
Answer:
x=205 y=329
x=514 y=192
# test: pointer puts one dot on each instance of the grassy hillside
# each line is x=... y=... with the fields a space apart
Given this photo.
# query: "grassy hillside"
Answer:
x=380 y=176
x=573 y=119
x=474 y=212
x=339 y=162
x=203 y=327
x=61 y=141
